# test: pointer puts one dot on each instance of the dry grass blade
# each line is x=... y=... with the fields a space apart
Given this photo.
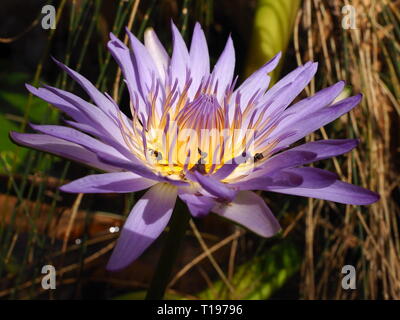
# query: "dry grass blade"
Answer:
x=365 y=237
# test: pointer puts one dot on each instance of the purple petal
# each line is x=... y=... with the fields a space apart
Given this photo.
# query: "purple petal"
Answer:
x=147 y=220
x=116 y=182
x=123 y=56
x=106 y=128
x=94 y=145
x=325 y=149
x=100 y=100
x=103 y=126
x=316 y=120
x=338 y=191
x=286 y=159
x=281 y=179
x=157 y=52
x=263 y=175
x=180 y=58
x=321 y=99
x=225 y=170
x=126 y=164
x=82 y=127
x=259 y=80
x=198 y=204
x=214 y=187
x=199 y=58
x=224 y=68
x=77 y=137
x=61 y=148
x=250 y=210
x=144 y=66
x=58 y=102
x=313 y=178
x=289 y=78
x=288 y=92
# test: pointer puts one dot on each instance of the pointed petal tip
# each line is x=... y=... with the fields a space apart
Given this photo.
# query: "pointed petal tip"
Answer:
x=115 y=266
x=353 y=100
x=112 y=36
x=174 y=29
x=277 y=57
x=65 y=188
x=271 y=64
x=13 y=136
x=149 y=30
x=365 y=197
x=18 y=138
x=197 y=28
x=30 y=87
x=314 y=67
x=373 y=197
x=33 y=126
x=56 y=61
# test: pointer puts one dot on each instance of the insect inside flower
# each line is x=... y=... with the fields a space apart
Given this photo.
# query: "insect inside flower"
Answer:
x=194 y=134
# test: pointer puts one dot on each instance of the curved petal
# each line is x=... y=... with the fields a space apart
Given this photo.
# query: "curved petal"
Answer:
x=104 y=125
x=316 y=120
x=286 y=159
x=225 y=68
x=199 y=205
x=123 y=57
x=276 y=103
x=225 y=170
x=289 y=78
x=180 y=58
x=58 y=102
x=100 y=100
x=61 y=148
x=312 y=178
x=325 y=149
x=321 y=99
x=213 y=186
x=127 y=165
x=146 y=70
x=147 y=220
x=338 y=191
x=250 y=210
x=282 y=93
x=157 y=52
x=259 y=80
x=75 y=136
x=116 y=182
x=281 y=179
x=199 y=59
x=78 y=109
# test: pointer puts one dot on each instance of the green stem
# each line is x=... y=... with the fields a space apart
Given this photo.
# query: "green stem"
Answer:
x=177 y=229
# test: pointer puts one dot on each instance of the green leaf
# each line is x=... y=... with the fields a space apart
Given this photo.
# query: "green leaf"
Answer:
x=261 y=277
x=17 y=103
x=272 y=30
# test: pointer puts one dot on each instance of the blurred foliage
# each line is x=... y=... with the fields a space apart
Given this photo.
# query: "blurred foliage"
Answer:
x=12 y=117
x=320 y=237
x=272 y=30
x=260 y=277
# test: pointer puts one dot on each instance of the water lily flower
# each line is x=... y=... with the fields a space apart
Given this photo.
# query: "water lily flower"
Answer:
x=161 y=146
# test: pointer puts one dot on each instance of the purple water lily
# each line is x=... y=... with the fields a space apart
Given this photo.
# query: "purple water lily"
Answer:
x=174 y=99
